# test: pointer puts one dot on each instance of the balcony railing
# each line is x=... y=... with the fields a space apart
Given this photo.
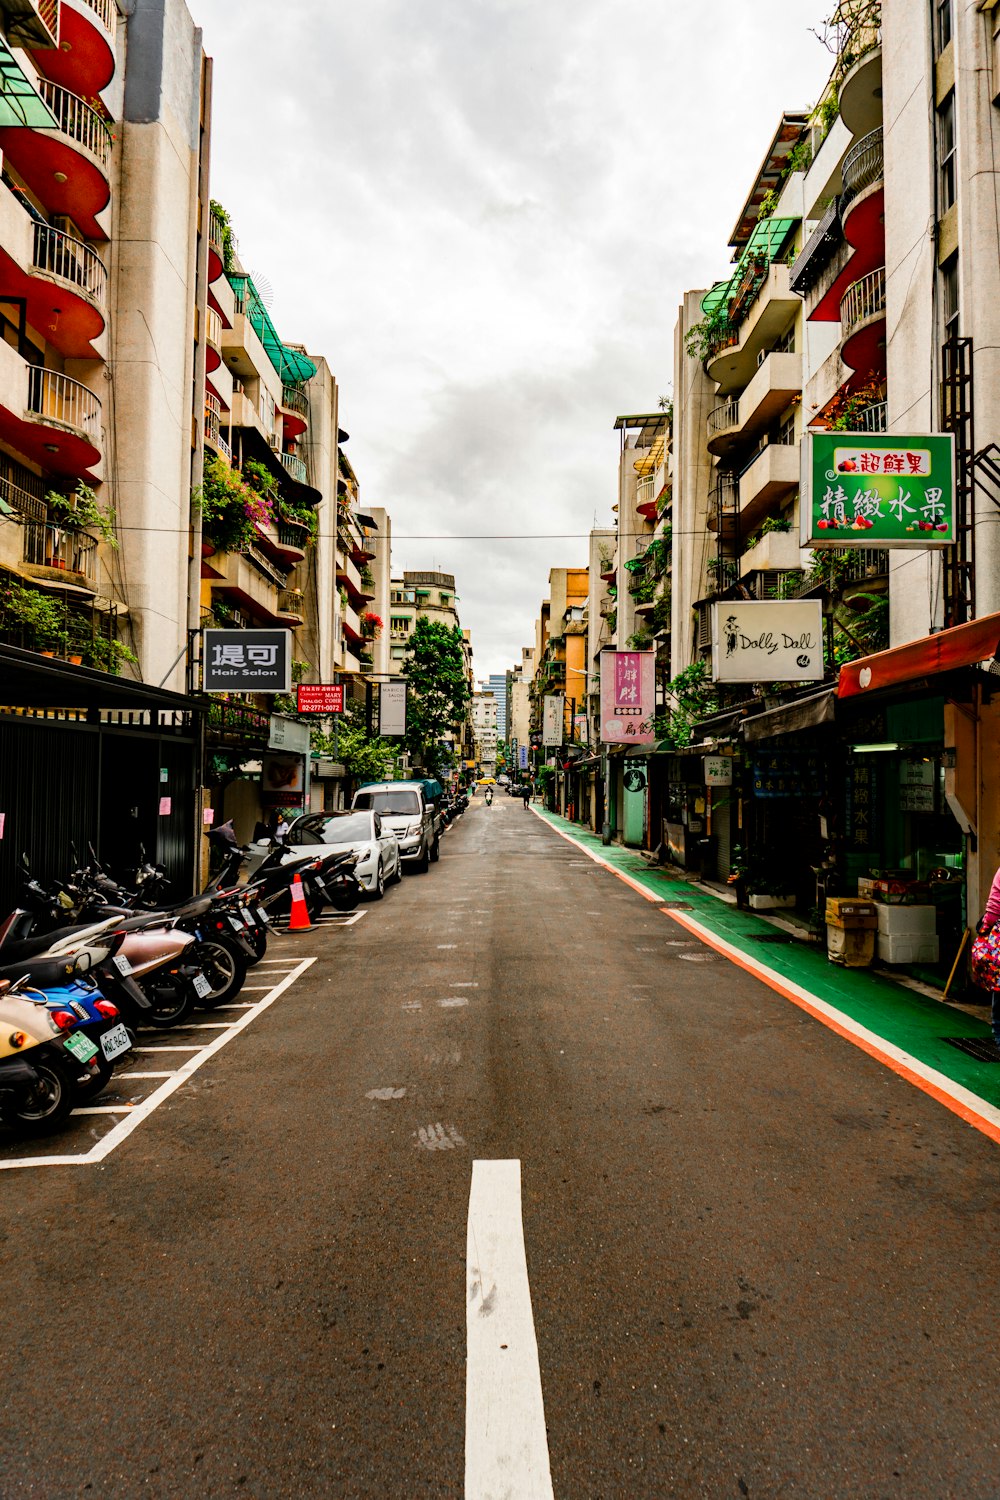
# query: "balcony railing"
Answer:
x=49 y=12
x=296 y=467
x=57 y=398
x=213 y=327
x=293 y=398
x=213 y=425
x=106 y=12
x=27 y=505
x=863 y=299
x=874 y=418
x=49 y=546
x=76 y=119
x=61 y=255
x=723 y=573
x=293 y=534
x=724 y=416
x=818 y=251
x=864 y=165
x=645 y=490
x=290 y=602
x=860 y=32
x=264 y=566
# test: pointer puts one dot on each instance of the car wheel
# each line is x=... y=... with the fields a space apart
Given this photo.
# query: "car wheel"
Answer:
x=435 y=851
x=397 y=873
x=378 y=889
x=423 y=864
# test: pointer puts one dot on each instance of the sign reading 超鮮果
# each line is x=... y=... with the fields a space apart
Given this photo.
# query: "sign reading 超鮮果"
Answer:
x=878 y=489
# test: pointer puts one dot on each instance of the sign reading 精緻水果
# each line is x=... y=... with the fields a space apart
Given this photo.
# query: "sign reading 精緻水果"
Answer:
x=878 y=489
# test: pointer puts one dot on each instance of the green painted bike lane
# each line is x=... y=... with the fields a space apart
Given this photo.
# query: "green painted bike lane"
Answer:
x=909 y=1021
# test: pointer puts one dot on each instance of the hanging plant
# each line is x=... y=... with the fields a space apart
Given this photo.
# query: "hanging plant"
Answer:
x=81 y=511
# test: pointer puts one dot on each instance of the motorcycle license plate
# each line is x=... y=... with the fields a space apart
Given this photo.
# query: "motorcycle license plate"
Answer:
x=122 y=964
x=201 y=986
x=80 y=1047
x=115 y=1042
x=236 y=924
x=262 y=916
x=319 y=883
x=248 y=917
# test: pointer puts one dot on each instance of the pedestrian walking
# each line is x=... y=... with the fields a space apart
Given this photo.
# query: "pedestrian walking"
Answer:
x=279 y=828
x=526 y=794
x=986 y=954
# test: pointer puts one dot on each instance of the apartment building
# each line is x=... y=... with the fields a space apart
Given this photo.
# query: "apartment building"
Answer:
x=430 y=596
x=484 y=711
x=519 y=726
x=499 y=685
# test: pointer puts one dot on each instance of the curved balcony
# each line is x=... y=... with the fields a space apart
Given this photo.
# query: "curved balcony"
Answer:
x=645 y=497
x=296 y=467
x=85 y=58
x=864 y=165
x=65 y=418
x=213 y=427
x=862 y=317
x=213 y=340
x=67 y=292
x=863 y=211
x=291 y=606
x=68 y=168
x=292 y=539
x=722 y=423
x=733 y=363
x=736 y=424
x=294 y=410
x=216 y=251
x=860 y=92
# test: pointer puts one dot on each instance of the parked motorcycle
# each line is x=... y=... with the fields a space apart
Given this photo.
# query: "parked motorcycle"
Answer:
x=40 y=1064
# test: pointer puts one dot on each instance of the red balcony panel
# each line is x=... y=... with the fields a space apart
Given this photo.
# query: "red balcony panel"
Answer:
x=864 y=351
x=63 y=175
x=84 y=61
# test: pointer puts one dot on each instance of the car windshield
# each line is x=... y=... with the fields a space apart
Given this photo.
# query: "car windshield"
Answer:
x=320 y=828
x=401 y=803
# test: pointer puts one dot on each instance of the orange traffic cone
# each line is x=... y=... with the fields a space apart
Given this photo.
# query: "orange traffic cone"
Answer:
x=298 y=917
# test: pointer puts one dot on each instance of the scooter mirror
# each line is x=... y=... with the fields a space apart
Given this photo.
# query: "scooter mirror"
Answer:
x=82 y=963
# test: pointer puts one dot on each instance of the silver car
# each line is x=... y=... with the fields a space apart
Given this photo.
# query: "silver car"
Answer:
x=363 y=833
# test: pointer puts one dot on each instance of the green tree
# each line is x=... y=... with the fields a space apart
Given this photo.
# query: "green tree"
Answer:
x=439 y=691
x=365 y=757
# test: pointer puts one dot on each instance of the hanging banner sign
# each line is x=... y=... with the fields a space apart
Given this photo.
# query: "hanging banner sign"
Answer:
x=392 y=709
x=718 y=770
x=247 y=661
x=320 y=698
x=553 y=718
x=767 y=642
x=628 y=697
x=522 y=758
x=878 y=489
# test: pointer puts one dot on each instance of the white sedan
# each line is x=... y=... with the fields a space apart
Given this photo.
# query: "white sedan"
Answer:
x=363 y=833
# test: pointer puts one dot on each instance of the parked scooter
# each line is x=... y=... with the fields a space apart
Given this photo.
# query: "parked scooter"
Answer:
x=39 y=1063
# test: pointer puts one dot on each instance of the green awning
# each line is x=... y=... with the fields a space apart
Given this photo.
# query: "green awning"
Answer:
x=767 y=239
x=289 y=363
x=19 y=103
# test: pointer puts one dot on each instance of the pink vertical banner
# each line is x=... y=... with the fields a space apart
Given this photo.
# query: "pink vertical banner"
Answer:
x=628 y=697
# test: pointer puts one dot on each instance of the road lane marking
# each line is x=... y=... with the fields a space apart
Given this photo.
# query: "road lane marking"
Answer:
x=960 y=1101
x=386 y=1094
x=139 y=1112
x=451 y=1002
x=104 y=1109
x=443 y=946
x=437 y=1137
x=506 y=1449
x=130 y=1075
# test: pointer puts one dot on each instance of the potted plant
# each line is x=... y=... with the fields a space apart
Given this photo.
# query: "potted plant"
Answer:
x=81 y=511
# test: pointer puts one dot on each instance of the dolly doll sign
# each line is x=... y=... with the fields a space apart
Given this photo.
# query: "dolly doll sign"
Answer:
x=767 y=642
x=878 y=489
x=628 y=697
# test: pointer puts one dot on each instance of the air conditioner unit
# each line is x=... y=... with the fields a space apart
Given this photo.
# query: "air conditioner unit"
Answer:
x=274 y=441
x=65 y=225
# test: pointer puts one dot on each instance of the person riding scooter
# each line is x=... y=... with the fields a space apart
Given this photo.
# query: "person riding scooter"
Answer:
x=489 y=796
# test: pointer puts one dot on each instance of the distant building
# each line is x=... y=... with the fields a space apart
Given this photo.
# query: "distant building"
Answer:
x=498 y=683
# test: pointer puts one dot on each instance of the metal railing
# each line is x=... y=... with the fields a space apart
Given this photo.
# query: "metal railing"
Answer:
x=213 y=425
x=293 y=398
x=27 y=505
x=645 y=490
x=51 y=546
x=293 y=534
x=213 y=327
x=71 y=260
x=58 y=398
x=864 y=165
x=863 y=299
x=724 y=416
x=106 y=12
x=75 y=118
x=264 y=566
x=874 y=418
x=49 y=12
x=296 y=467
x=290 y=602
x=860 y=25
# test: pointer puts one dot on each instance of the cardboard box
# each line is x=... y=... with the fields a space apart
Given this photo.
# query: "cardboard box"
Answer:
x=907 y=948
x=854 y=947
x=851 y=912
x=893 y=889
x=909 y=921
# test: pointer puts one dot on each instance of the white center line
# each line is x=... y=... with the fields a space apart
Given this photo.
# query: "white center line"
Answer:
x=506 y=1449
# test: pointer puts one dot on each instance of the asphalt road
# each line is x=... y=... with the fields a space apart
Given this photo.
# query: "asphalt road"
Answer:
x=761 y=1265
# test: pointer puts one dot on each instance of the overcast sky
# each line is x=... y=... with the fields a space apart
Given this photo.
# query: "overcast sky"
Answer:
x=484 y=213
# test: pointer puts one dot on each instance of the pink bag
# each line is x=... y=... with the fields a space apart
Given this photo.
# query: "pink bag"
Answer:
x=986 y=960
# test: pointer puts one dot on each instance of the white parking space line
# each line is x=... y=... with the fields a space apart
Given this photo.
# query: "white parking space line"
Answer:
x=105 y=1109
x=506 y=1449
x=208 y=1026
x=136 y=1113
x=129 y=1075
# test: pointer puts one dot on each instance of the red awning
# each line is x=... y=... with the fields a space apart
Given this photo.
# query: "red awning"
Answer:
x=961 y=646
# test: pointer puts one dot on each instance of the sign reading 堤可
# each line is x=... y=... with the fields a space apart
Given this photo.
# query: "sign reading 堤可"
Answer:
x=247 y=661
x=877 y=489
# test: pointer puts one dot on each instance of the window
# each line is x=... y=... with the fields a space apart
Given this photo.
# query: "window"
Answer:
x=786 y=432
x=949 y=296
x=786 y=344
x=946 y=153
x=942 y=25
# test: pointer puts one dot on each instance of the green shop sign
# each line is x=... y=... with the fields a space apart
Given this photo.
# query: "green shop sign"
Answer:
x=878 y=489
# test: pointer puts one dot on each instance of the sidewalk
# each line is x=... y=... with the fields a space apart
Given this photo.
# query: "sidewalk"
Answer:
x=903 y=1029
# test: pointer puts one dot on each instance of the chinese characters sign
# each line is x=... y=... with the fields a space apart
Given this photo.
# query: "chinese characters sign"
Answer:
x=718 y=770
x=628 y=697
x=767 y=642
x=880 y=490
x=247 y=661
x=553 y=711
